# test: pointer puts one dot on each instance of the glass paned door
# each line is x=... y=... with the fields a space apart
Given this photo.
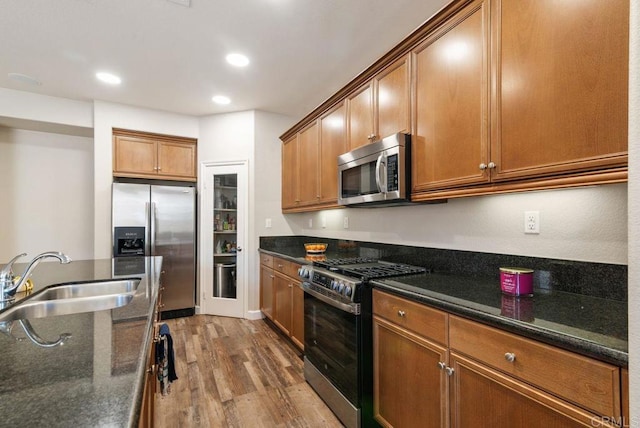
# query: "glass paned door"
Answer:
x=223 y=226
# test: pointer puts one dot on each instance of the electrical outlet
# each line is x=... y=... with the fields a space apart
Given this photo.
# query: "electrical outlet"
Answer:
x=532 y=222
x=323 y=222
x=267 y=223
x=310 y=223
x=345 y=223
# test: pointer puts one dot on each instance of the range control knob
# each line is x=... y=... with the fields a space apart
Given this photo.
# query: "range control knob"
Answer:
x=340 y=287
x=347 y=290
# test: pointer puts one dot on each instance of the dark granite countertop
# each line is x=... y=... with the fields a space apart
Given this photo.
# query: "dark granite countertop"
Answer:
x=97 y=377
x=591 y=326
x=577 y=306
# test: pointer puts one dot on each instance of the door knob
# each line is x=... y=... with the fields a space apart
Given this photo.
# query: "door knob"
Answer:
x=238 y=249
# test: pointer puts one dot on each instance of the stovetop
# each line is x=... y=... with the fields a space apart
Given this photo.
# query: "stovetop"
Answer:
x=368 y=268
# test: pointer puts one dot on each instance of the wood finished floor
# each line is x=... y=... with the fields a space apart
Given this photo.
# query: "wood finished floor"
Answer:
x=237 y=373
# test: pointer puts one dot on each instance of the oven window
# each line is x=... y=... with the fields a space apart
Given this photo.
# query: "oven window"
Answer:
x=359 y=180
x=331 y=345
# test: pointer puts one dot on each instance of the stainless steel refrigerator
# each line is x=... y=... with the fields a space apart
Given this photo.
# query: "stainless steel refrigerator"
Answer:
x=154 y=220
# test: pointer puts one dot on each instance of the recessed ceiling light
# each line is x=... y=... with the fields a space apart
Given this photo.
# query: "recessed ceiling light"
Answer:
x=18 y=77
x=238 y=60
x=221 y=99
x=109 y=78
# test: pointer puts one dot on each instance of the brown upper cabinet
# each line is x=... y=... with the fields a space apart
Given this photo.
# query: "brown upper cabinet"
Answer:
x=290 y=173
x=300 y=172
x=498 y=95
x=497 y=104
x=309 y=163
x=144 y=155
x=381 y=107
x=561 y=91
x=332 y=145
x=451 y=104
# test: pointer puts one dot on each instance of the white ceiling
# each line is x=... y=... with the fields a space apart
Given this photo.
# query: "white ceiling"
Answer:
x=171 y=57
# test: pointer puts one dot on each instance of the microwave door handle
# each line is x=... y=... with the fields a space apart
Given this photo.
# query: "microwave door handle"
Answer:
x=382 y=185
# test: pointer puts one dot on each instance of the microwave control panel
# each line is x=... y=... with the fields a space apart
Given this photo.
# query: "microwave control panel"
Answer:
x=392 y=173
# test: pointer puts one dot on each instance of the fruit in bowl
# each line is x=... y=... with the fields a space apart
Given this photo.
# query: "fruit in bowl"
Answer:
x=315 y=247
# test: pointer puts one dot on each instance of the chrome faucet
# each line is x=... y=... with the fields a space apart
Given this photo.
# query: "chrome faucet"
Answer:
x=8 y=287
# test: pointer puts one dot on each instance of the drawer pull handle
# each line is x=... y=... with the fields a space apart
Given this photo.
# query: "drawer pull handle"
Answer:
x=442 y=365
x=401 y=313
x=510 y=356
x=449 y=371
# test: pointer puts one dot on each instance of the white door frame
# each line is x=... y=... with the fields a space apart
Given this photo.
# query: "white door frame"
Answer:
x=206 y=301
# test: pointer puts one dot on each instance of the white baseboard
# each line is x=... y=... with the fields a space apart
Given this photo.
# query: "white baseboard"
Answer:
x=254 y=315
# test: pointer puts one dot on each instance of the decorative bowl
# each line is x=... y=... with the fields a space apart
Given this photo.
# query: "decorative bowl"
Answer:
x=315 y=247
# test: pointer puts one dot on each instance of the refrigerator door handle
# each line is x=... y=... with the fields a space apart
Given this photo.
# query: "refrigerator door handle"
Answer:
x=147 y=234
x=153 y=216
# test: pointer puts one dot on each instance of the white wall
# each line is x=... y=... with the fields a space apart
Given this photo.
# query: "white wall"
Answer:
x=252 y=136
x=588 y=224
x=634 y=218
x=44 y=109
x=47 y=193
x=106 y=117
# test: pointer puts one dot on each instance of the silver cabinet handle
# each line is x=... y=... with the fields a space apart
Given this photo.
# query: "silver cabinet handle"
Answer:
x=238 y=249
x=401 y=313
x=483 y=166
x=449 y=371
x=441 y=365
x=491 y=165
x=510 y=356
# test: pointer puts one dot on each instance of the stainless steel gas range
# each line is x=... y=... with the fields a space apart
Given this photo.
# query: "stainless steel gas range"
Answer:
x=337 y=332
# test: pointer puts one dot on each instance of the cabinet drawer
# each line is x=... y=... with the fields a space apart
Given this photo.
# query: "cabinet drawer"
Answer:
x=266 y=260
x=421 y=319
x=286 y=267
x=589 y=383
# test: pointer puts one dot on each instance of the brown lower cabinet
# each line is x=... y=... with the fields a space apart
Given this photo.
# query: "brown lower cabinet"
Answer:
x=434 y=369
x=281 y=298
x=146 y=419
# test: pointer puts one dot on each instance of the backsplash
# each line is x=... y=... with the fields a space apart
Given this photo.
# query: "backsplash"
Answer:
x=602 y=280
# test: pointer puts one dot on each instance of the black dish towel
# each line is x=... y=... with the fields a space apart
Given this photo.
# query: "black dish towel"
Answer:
x=165 y=359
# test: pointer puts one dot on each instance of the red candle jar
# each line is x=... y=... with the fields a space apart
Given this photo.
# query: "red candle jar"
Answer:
x=516 y=281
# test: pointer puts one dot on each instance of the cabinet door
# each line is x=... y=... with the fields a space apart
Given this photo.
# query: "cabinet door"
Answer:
x=409 y=387
x=290 y=173
x=282 y=305
x=482 y=397
x=393 y=99
x=360 y=117
x=332 y=144
x=297 y=309
x=133 y=155
x=561 y=101
x=450 y=139
x=266 y=291
x=308 y=165
x=177 y=160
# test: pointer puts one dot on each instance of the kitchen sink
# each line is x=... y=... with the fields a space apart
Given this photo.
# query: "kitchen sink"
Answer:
x=73 y=299
x=87 y=289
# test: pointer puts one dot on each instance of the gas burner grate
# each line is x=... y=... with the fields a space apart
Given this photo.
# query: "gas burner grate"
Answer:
x=344 y=261
x=384 y=270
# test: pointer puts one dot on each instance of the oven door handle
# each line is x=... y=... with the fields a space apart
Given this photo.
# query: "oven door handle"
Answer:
x=353 y=308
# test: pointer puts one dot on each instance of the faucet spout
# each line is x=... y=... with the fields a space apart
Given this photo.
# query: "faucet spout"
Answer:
x=8 y=287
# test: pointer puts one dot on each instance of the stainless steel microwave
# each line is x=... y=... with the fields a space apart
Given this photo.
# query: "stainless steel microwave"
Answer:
x=377 y=173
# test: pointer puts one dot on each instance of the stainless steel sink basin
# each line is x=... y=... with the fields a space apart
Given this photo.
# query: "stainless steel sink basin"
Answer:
x=73 y=299
x=88 y=289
